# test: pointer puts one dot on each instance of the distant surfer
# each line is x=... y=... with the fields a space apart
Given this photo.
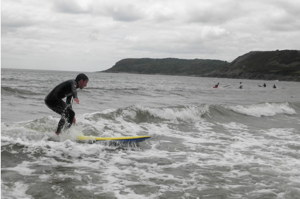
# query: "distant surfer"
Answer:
x=216 y=86
x=265 y=85
x=274 y=86
x=241 y=86
x=65 y=89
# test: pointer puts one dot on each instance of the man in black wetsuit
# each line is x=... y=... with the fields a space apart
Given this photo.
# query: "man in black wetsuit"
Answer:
x=65 y=89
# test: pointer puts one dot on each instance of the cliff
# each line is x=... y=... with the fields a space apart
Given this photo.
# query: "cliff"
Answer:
x=268 y=65
x=272 y=65
x=167 y=66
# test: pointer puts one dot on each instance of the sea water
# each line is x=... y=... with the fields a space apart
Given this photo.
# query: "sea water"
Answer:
x=205 y=142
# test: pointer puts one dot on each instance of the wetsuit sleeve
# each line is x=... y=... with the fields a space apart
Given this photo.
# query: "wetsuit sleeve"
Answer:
x=73 y=94
x=68 y=101
x=74 y=91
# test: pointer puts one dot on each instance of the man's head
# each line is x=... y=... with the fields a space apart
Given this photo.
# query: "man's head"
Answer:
x=82 y=80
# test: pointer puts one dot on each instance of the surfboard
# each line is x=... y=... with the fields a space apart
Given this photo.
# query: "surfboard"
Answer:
x=223 y=87
x=115 y=139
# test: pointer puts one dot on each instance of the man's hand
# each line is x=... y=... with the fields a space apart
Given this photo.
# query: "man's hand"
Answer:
x=74 y=121
x=76 y=100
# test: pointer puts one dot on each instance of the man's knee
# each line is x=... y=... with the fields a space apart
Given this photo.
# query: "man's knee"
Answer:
x=71 y=113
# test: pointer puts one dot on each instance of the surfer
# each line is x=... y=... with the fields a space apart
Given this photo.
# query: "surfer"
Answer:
x=265 y=85
x=274 y=86
x=241 y=86
x=216 y=86
x=65 y=89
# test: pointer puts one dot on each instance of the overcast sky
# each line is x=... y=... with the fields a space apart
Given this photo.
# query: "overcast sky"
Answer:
x=92 y=35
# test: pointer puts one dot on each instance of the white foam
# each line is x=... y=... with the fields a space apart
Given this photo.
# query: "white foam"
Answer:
x=22 y=169
x=187 y=113
x=58 y=190
x=44 y=177
x=172 y=161
x=71 y=134
x=266 y=109
x=18 y=190
x=281 y=133
x=234 y=126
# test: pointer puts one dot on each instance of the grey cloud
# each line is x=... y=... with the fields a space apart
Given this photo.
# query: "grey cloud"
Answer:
x=284 y=26
x=120 y=12
x=289 y=6
x=15 y=23
x=69 y=7
x=283 y=17
x=214 y=13
x=11 y=23
x=126 y=13
x=113 y=29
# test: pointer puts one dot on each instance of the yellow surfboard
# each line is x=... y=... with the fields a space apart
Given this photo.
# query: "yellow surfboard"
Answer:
x=117 y=139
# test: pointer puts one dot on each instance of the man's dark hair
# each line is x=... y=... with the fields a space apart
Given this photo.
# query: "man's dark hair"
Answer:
x=82 y=77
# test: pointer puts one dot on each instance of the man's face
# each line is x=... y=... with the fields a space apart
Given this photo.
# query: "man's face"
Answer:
x=82 y=84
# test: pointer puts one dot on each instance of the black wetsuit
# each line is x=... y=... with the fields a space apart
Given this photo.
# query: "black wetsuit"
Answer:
x=55 y=103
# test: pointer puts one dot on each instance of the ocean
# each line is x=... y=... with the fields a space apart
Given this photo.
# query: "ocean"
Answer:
x=205 y=143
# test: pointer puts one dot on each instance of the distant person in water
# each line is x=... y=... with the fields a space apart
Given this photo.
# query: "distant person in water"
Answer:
x=216 y=86
x=65 y=89
x=241 y=86
x=265 y=85
x=274 y=86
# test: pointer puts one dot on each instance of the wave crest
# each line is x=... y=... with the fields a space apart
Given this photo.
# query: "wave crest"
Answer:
x=265 y=109
x=10 y=91
x=140 y=114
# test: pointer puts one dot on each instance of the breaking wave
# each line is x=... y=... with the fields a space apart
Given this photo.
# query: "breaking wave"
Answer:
x=265 y=109
x=140 y=114
x=186 y=114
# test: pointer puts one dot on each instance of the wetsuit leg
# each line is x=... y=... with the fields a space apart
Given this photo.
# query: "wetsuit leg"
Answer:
x=69 y=115
x=62 y=109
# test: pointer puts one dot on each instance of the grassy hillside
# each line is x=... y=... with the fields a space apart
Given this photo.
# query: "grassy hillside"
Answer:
x=167 y=66
x=282 y=65
x=272 y=65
